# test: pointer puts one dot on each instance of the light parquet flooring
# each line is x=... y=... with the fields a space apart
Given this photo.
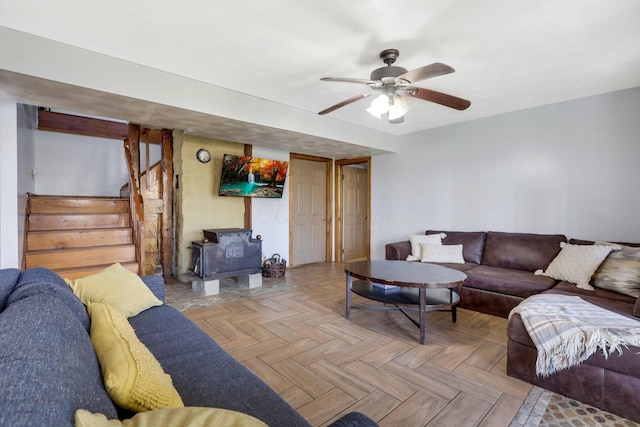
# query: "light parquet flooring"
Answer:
x=299 y=342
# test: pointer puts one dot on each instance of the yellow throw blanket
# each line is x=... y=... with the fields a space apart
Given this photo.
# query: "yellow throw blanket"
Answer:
x=566 y=330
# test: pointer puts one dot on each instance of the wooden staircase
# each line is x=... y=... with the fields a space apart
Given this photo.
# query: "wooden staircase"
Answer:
x=77 y=236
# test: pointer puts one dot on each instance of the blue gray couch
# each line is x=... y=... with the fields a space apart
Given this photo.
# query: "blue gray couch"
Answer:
x=48 y=368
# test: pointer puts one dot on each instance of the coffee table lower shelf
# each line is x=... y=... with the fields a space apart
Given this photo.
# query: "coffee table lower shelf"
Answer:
x=405 y=299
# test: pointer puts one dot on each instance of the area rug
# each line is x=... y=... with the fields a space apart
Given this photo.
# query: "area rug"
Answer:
x=545 y=408
x=180 y=295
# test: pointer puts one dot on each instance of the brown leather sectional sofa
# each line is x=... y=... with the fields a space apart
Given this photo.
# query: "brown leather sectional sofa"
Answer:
x=499 y=268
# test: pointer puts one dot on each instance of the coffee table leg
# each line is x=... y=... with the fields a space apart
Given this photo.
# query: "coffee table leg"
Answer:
x=422 y=313
x=453 y=308
x=348 y=298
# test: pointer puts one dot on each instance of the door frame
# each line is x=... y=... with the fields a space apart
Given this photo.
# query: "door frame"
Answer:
x=329 y=201
x=339 y=205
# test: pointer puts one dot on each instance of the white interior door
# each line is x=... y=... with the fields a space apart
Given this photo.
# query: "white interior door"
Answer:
x=354 y=215
x=309 y=211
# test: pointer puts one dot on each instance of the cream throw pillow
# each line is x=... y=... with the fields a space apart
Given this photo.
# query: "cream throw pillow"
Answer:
x=620 y=272
x=576 y=264
x=116 y=286
x=132 y=376
x=174 y=417
x=418 y=239
x=442 y=253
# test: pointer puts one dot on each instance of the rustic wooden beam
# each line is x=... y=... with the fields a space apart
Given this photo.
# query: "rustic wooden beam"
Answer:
x=77 y=125
x=248 y=150
x=167 y=203
x=134 y=148
x=151 y=136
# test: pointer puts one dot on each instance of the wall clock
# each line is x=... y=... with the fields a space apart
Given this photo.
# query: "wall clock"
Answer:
x=203 y=155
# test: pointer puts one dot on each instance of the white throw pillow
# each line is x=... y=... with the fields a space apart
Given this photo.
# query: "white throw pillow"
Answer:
x=576 y=263
x=417 y=239
x=442 y=253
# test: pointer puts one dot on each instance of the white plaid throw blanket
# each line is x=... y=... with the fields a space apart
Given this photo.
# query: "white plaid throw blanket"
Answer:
x=567 y=330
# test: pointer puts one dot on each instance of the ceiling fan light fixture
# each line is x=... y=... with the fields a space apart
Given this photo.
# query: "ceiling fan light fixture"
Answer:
x=398 y=107
x=394 y=84
x=379 y=106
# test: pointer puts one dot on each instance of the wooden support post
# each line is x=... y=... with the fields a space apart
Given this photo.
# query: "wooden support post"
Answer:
x=167 y=203
x=134 y=148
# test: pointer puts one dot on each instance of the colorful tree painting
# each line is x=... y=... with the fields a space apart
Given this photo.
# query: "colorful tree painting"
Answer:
x=246 y=176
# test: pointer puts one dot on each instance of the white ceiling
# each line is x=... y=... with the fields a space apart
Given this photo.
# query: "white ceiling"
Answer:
x=270 y=55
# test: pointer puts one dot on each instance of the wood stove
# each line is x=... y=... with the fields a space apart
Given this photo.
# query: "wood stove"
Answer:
x=226 y=252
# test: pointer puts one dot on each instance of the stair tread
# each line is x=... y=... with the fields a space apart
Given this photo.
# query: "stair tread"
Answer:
x=42 y=205
x=76 y=213
x=94 y=267
x=77 y=221
x=62 y=196
x=77 y=272
x=79 y=230
x=79 y=249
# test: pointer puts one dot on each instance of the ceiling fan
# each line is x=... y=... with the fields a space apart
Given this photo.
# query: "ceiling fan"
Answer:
x=393 y=85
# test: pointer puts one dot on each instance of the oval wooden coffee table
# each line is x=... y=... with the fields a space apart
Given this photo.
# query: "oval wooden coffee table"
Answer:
x=405 y=286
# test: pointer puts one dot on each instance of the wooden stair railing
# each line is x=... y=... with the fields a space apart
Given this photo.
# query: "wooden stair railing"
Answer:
x=155 y=192
x=136 y=211
x=154 y=168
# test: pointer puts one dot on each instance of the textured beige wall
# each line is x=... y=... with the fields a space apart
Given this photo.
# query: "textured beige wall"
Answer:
x=197 y=204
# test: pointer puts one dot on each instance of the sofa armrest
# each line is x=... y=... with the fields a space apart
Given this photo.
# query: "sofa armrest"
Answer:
x=156 y=284
x=8 y=280
x=397 y=251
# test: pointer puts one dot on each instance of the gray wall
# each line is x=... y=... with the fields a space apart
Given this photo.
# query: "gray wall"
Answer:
x=27 y=124
x=570 y=168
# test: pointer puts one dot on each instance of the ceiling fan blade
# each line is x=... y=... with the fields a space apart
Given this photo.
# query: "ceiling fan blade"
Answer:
x=345 y=79
x=345 y=102
x=434 y=70
x=438 y=97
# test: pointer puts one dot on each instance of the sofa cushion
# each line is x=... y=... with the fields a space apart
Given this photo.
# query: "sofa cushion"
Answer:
x=48 y=368
x=198 y=416
x=8 y=279
x=36 y=281
x=620 y=271
x=460 y=267
x=156 y=284
x=521 y=251
x=622 y=304
x=571 y=289
x=577 y=263
x=117 y=287
x=417 y=240
x=507 y=281
x=214 y=378
x=174 y=417
x=132 y=376
x=472 y=243
x=591 y=242
x=442 y=253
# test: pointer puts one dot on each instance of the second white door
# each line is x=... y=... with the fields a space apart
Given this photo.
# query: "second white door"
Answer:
x=309 y=211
